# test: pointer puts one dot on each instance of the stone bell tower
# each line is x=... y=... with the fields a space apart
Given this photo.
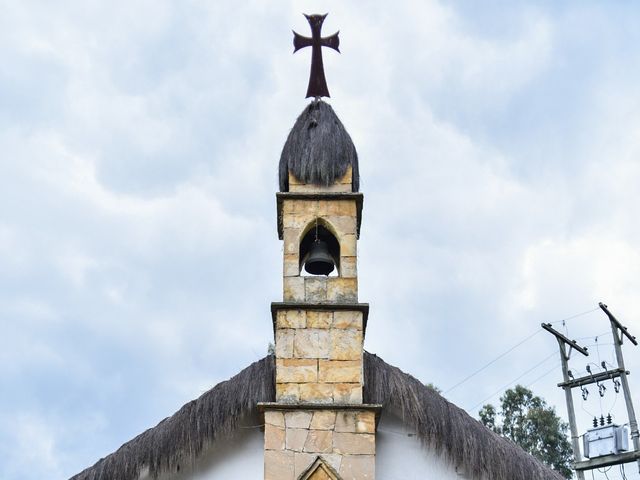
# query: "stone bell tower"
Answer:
x=319 y=428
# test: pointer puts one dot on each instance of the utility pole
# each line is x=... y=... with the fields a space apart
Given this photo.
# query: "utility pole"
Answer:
x=566 y=346
x=619 y=332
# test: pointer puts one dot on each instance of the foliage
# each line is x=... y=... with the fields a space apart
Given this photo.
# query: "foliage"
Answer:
x=431 y=386
x=528 y=421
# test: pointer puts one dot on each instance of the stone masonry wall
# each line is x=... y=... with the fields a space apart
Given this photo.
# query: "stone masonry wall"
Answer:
x=344 y=439
x=319 y=356
x=341 y=185
x=340 y=217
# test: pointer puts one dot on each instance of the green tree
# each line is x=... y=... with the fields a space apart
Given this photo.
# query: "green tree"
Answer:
x=527 y=420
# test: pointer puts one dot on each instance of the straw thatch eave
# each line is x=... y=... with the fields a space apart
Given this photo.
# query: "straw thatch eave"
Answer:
x=445 y=428
x=182 y=437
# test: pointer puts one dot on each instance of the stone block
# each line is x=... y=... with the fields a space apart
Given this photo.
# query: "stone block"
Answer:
x=302 y=461
x=355 y=422
x=296 y=438
x=291 y=267
x=347 y=319
x=287 y=392
x=315 y=289
x=311 y=188
x=319 y=441
x=334 y=371
x=284 y=343
x=358 y=467
x=348 y=267
x=346 y=422
x=345 y=344
x=365 y=422
x=354 y=443
x=342 y=224
x=298 y=419
x=291 y=237
x=306 y=207
x=333 y=459
x=347 y=393
x=275 y=418
x=294 y=221
x=291 y=319
x=294 y=370
x=293 y=289
x=319 y=319
x=348 y=245
x=273 y=437
x=278 y=465
x=323 y=420
x=342 y=290
x=311 y=343
x=288 y=206
x=343 y=208
x=315 y=393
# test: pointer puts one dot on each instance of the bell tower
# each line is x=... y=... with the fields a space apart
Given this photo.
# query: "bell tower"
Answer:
x=319 y=422
x=319 y=428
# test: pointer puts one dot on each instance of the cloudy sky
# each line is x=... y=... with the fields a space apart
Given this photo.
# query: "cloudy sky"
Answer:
x=499 y=147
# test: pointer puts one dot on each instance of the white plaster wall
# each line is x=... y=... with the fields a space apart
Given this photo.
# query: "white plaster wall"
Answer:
x=240 y=457
x=401 y=456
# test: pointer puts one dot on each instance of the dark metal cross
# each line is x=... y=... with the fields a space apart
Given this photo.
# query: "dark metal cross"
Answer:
x=317 y=82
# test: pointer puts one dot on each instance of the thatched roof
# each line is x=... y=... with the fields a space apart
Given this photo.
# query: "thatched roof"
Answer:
x=181 y=437
x=318 y=149
x=447 y=429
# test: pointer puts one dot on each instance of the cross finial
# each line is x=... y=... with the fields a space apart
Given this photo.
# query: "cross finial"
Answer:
x=317 y=81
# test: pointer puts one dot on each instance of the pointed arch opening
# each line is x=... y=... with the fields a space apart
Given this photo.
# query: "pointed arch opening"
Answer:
x=319 y=250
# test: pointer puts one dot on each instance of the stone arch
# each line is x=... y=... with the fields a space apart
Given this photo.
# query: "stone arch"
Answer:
x=326 y=232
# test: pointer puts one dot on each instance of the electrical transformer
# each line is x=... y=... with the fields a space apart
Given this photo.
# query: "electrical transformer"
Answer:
x=605 y=440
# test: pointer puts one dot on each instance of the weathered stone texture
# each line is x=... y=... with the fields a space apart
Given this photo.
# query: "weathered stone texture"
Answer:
x=296 y=438
x=298 y=419
x=347 y=319
x=323 y=420
x=348 y=267
x=319 y=319
x=358 y=467
x=344 y=440
x=315 y=289
x=293 y=289
x=296 y=370
x=274 y=437
x=278 y=465
x=344 y=184
x=342 y=290
x=311 y=343
x=326 y=347
x=284 y=343
x=340 y=371
x=319 y=441
x=354 y=443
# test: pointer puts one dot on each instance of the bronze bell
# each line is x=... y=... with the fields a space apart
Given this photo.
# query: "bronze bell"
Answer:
x=319 y=261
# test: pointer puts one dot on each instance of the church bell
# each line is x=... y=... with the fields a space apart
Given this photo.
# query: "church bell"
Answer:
x=319 y=261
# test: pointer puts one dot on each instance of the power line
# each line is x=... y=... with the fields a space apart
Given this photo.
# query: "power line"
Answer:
x=470 y=376
x=516 y=379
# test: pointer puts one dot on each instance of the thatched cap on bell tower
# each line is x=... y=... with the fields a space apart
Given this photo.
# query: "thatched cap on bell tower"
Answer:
x=319 y=152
